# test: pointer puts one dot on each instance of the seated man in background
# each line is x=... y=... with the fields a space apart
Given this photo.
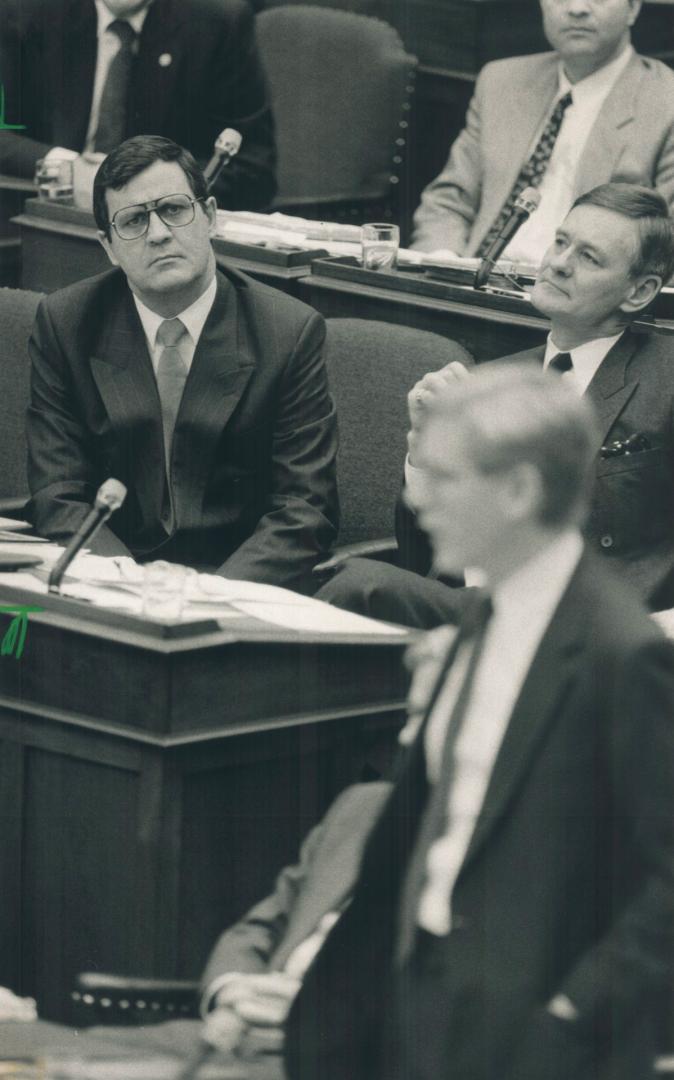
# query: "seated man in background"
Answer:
x=607 y=263
x=204 y=392
x=565 y=121
x=256 y=967
x=83 y=75
x=513 y=917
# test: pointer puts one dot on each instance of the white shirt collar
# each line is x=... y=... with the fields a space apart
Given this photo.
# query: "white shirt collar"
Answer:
x=192 y=318
x=105 y=17
x=599 y=83
x=538 y=585
x=585 y=358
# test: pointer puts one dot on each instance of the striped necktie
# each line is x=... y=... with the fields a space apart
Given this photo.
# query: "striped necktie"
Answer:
x=112 y=113
x=532 y=172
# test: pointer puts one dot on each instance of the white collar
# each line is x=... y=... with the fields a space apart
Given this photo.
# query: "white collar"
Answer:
x=192 y=318
x=599 y=83
x=106 y=18
x=585 y=358
x=537 y=586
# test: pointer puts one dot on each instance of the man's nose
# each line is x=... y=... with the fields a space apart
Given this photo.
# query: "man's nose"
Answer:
x=560 y=260
x=578 y=8
x=157 y=230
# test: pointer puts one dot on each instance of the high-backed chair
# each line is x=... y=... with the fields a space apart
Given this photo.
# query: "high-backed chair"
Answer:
x=17 y=313
x=340 y=87
x=372 y=366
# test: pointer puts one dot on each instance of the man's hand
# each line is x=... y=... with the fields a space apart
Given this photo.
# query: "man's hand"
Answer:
x=85 y=168
x=250 y=1012
x=423 y=395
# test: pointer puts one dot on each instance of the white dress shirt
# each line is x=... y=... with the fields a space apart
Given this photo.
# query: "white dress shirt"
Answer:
x=193 y=319
x=524 y=605
x=108 y=45
x=585 y=360
x=557 y=187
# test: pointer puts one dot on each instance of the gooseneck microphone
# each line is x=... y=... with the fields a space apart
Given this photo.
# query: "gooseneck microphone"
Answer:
x=227 y=146
x=109 y=498
x=524 y=206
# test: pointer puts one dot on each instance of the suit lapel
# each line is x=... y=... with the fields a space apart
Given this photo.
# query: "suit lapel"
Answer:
x=157 y=64
x=79 y=47
x=539 y=704
x=611 y=131
x=531 y=110
x=123 y=373
x=222 y=366
x=609 y=391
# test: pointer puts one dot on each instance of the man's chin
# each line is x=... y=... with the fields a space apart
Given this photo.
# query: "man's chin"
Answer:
x=547 y=298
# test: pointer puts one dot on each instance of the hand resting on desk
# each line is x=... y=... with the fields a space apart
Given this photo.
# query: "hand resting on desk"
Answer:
x=250 y=1012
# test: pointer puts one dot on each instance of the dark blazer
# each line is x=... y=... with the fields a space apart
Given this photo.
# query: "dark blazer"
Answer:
x=213 y=80
x=320 y=882
x=567 y=885
x=253 y=455
x=631 y=519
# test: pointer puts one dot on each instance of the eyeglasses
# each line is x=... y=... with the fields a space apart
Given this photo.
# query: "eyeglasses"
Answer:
x=174 y=210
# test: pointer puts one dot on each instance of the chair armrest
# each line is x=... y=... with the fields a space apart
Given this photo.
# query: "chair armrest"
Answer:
x=100 y=998
x=384 y=550
x=13 y=506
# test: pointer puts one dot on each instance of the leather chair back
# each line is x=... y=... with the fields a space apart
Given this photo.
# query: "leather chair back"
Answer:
x=372 y=366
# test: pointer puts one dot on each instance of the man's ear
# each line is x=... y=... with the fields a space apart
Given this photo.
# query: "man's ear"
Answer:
x=522 y=491
x=210 y=209
x=107 y=247
x=644 y=289
x=635 y=8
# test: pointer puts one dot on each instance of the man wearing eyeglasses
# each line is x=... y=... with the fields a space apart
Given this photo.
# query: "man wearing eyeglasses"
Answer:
x=204 y=392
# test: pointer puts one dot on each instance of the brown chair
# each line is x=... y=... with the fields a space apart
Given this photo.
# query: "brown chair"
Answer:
x=372 y=366
x=17 y=314
x=340 y=88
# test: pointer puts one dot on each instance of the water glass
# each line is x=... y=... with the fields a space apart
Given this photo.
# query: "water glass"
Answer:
x=380 y=243
x=165 y=589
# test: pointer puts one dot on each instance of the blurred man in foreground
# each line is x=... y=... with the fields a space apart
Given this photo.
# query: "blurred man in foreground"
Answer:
x=564 y=121
x=514 y=911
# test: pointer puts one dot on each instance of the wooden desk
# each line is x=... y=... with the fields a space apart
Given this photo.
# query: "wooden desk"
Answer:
x=59 y=246
x=151 y=788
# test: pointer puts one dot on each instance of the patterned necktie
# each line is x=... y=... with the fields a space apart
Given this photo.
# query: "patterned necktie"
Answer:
x=171 y=376
x=434 y=819
x=532 y=172
x=111 y=130
x=561 y=362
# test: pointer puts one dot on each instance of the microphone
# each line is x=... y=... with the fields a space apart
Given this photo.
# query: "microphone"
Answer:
x=525 y=204
x=227 y=146
x=111 y=494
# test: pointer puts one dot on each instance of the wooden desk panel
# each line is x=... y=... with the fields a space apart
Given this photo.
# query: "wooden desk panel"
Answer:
x=151 y=789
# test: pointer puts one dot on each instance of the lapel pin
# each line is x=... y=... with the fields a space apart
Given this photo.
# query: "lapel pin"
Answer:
x=165 y=60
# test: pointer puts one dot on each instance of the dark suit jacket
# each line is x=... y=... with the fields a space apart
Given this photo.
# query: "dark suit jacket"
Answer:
x=631 y=519
x=253 y=456
x=320 y=882
x=214 y=80
x=567 y=885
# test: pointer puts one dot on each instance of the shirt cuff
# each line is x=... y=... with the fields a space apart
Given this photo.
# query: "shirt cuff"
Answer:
x=414 y=478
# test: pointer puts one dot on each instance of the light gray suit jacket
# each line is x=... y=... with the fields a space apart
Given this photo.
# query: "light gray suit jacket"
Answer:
x=632 y=140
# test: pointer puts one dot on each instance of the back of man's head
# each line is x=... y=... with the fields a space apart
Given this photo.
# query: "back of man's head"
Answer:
x=514 y=414
x=649 y=210
x=131 y=158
